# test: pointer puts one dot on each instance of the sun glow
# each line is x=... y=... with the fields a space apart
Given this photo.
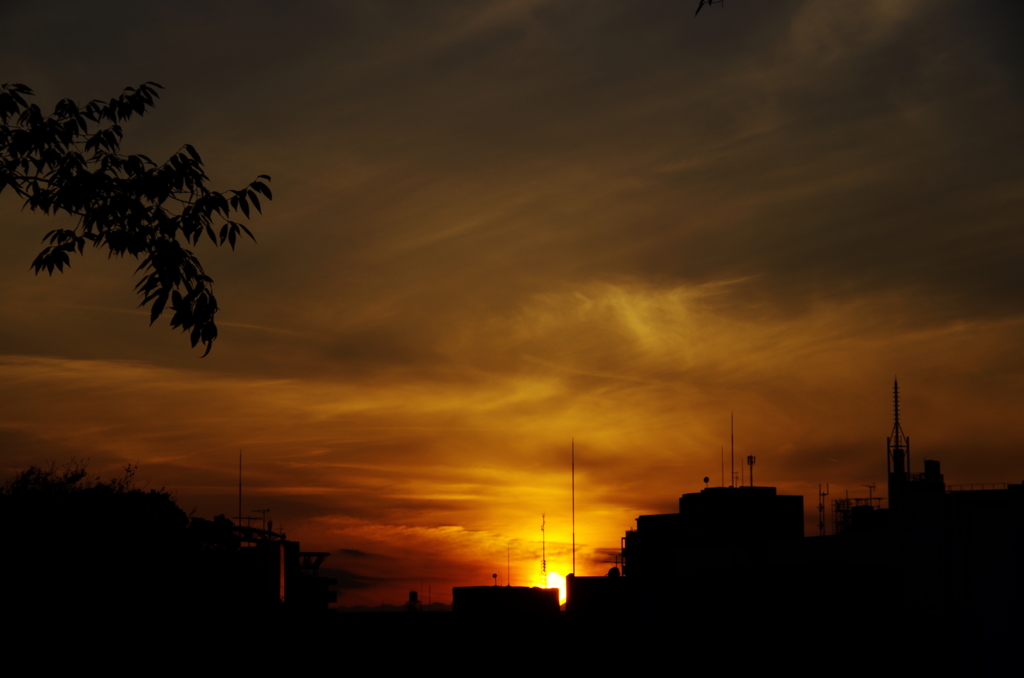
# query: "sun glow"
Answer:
x=556 y=580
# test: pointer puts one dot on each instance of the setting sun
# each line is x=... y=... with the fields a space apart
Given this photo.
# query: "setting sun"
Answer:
x=557 y=581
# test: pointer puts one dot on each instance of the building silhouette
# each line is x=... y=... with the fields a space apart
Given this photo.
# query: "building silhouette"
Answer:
x=252 y=570
x=941 y=567
x=79 y=550
x=505 y=602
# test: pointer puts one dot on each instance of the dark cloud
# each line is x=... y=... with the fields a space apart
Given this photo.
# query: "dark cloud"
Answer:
x=356 y=553
x=350 y=581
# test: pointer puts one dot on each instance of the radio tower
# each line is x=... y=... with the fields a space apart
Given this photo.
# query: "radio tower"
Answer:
x=543 y=552
x=898 y=453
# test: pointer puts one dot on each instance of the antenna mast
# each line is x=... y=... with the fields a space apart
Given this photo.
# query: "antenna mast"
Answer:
x=264 y=513
x=723 y=465
x=732 y=451
x=897 y=454
x=239 y=488
x=543 y=552
x=574 y=506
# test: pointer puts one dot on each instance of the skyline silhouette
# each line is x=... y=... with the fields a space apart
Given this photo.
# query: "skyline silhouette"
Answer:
x=500 y=226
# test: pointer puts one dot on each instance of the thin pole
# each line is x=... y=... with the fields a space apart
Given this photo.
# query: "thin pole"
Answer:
x=732 y=451
x=543 y=551
x=574 y=506
x=508 y=565
x=723 y=465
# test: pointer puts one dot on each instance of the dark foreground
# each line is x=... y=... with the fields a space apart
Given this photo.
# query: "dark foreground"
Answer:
x=819 y=641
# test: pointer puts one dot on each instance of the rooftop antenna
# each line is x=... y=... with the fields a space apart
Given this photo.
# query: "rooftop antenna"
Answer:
x=574 y=506
x=543 y=552
x=264 y=513
x=821 y=509
x=897 y=454
x=508 y=565
x=897 y=442
x=750 y=462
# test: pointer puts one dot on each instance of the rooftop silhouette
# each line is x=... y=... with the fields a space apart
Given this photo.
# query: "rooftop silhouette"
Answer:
x=943 y=566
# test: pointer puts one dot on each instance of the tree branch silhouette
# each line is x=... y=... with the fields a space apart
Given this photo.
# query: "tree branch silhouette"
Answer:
x=70 y=162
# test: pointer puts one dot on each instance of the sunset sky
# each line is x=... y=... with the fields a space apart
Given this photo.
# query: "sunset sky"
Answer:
x=499 y=225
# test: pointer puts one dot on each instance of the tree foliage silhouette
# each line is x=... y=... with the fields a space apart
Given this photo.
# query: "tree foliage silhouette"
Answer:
x=70 y=162
x=48 y=499
x=77 y=543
